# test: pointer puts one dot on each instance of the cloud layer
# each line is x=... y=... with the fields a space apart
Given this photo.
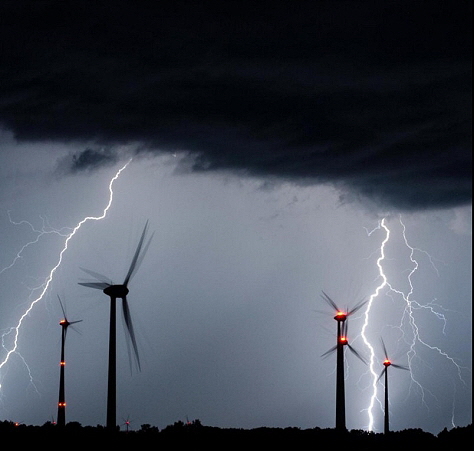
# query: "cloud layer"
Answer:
x=374 y=98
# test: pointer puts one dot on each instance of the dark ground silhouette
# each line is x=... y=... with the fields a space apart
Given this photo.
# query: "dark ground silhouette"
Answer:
x=196 y=434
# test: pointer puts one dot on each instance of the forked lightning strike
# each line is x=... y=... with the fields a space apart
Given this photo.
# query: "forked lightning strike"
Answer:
x=410 y=306
x=383 y=284
x=39 y=233
x=44 y=287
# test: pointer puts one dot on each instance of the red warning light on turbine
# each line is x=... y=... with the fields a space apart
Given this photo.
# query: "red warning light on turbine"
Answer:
x=387 y=362
x=340 y=316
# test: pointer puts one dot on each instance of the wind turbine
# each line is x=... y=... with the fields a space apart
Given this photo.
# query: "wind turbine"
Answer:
x=387 y=362
x=341 y=318
x=64 y=323
x=127 y=423
x=114 y=292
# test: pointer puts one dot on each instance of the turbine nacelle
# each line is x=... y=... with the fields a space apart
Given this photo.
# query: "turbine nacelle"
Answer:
x=64 y=323
x=387 y=362
x=340 y=316
x=344 y=341
x=116 y=291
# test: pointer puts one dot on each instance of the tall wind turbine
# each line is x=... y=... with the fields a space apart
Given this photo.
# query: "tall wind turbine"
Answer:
x=64 y=323
x=118 y=292
x=387 y=362
x=341 y=318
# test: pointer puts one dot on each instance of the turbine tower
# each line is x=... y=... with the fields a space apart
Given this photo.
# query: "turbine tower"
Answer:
x=118 y=292
x=341 y=318
x=387 y=362
x=64 y=323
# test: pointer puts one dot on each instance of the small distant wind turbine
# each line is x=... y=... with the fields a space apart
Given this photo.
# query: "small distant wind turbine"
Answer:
x=114 y=292
x=387 y=362
x=341 y=318
x=127 y=422
x=64 y=323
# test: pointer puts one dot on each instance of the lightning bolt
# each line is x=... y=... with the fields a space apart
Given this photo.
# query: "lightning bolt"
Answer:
x=39 y=233
x=68 y=234
x=408 y=317
x=372 y=297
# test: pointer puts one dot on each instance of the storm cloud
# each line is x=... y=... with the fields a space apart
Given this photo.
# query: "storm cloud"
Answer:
x=87 y=160
x=371 y=97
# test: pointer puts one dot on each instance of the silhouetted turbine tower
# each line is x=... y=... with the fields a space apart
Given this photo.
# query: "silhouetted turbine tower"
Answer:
x=114 y=292
x=341 y=318
x=62 y=398
x=387 y=362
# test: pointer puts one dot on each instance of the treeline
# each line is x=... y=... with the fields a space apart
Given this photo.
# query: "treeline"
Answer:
x=195 y=434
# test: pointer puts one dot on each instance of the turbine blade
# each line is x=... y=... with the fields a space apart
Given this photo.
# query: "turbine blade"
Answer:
x=129 y=328
x=345 y=327
x=384 y=348
x=329 y=301
x=320 y=311
x=135 y=257
x=62 y=307
x=400 y=367
x=357 y=307
x=96 y=275
x=329 y=352
x=74 y=322
x=75 y=329
x=97 y=285
x=356 y=354
x=142 y=254
x=382 y=373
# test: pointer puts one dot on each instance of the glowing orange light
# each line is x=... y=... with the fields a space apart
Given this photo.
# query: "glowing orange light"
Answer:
x=61 y=404
x=340 y=316
x=387 y=362
x=62 y=363
x=343 y=340
x=63 y=321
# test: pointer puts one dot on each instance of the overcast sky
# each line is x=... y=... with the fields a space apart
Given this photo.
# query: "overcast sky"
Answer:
x=267 y=142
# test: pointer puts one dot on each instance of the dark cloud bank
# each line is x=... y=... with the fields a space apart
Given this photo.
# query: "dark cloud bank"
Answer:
x=370 y=96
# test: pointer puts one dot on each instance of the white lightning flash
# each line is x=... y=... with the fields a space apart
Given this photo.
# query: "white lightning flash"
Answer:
x=45 y=230
x=45 y=285
x=407 y=316
x=383 y=284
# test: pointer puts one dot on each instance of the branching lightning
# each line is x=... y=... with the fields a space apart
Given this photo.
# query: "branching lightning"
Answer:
x=383 y=284
x=39 y=233
x=410 y=306
x=68 y=234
